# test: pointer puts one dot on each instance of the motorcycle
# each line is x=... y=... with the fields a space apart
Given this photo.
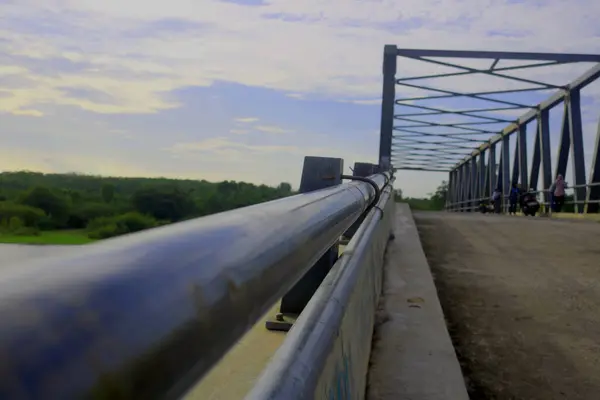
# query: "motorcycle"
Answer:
x=529 y=203
x=485 y=207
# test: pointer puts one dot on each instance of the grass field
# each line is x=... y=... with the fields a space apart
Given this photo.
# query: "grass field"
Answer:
x=48 y=237
x=591 y=217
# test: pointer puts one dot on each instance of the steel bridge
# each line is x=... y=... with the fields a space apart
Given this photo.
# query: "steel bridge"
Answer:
x=280 y=300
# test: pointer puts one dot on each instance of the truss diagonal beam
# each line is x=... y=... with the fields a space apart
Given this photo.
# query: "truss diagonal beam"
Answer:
x=465 y=113
x=488 y=72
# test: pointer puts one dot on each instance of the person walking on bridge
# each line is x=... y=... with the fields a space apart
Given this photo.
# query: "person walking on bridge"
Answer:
x=558 y=194
x=497 y=199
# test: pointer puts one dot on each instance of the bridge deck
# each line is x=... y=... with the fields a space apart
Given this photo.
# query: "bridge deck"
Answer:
x=237 y=372
x=522 y=300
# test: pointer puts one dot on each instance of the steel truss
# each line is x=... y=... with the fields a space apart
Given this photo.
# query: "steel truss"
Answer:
x=409 y=147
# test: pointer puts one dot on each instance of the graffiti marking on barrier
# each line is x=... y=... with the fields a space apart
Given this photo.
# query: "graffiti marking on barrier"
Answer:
x=341 y=387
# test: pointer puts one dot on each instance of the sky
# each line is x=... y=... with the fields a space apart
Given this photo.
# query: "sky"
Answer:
x=240 y=89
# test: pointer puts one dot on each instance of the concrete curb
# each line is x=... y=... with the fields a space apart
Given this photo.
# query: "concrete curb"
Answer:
x=412 y=356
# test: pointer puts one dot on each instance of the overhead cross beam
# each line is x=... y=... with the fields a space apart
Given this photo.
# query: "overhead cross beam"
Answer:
x=400 y=144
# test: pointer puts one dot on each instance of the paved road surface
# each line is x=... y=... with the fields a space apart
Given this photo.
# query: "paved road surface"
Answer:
x=522 y=301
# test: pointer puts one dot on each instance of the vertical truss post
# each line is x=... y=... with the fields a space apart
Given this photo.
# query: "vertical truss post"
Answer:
x=456 y=195
x=474 y=183
x=499 y=179
x=564 y=144
x=536 y=159
x=505 y=170
x=482 y=175
x=515 y=165
x=462 y=195
x=492 y=169
x=388 y=97
x=544 y=136
x=577 y=155
x=593 y=193
x=451 y=204
x=465 y=186
x=522 y=141
x=457 y=188
x=450 y=189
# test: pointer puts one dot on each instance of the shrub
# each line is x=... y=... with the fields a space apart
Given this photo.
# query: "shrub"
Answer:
x=135 y=222
x=81 y=216
x=46 y=223
x=105 y=227
x=26 y=231
x=54 y=204
x=30 y=216
x=15 y=223
x=106 y=231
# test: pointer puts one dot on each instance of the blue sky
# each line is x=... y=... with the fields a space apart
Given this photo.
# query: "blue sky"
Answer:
x=238 y=89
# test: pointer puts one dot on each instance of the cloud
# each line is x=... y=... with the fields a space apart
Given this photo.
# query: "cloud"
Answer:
x=271 y=129
x=67 y=64
x=225 y=147
x=246 y=120
x=368 y=102
x=337 y=44
x=29 y=113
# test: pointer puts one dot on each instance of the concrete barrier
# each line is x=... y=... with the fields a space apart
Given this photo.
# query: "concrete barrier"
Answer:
x=326 y=354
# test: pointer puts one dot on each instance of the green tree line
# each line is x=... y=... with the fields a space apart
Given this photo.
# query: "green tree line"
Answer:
x=31 y=202
x=434 y=202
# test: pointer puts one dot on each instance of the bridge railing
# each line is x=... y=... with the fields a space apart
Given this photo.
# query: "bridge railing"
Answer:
x=326 y=355
x=474 y=204
x=146 y=315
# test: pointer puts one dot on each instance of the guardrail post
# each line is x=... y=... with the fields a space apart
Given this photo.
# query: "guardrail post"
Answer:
x=362 y=170
x=317 y=173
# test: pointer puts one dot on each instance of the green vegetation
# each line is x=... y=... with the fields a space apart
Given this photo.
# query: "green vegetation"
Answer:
x=435 y=201
x=48 y=237
x=75 y=209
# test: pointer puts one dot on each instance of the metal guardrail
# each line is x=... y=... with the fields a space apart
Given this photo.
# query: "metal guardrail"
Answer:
x=146 y=315
x=326 y=355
